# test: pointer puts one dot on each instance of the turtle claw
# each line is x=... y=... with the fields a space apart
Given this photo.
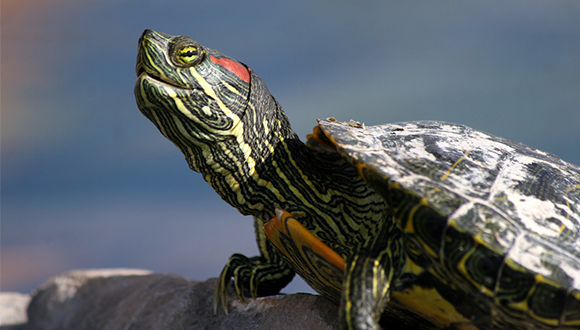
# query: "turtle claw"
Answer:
x=220 y=294
x=255 y=275
x=236 y=266
x=258 y=276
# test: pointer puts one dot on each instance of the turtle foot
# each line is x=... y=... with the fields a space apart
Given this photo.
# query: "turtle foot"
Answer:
x=255 y=274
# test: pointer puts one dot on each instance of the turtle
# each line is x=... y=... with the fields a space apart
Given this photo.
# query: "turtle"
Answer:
x=430 y=222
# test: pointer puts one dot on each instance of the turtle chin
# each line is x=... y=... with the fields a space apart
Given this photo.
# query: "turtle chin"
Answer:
x=152 y=94
x=198 y=114
x=151 y=89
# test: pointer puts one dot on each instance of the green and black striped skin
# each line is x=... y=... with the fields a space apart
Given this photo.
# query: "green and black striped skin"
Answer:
x=221 y=116
x=397 y=244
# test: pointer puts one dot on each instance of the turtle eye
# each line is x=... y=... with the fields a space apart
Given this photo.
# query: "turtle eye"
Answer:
x=187 y=55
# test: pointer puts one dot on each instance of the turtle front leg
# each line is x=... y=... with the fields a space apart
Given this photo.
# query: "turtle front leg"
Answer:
x=263 y=275
x=365 y=294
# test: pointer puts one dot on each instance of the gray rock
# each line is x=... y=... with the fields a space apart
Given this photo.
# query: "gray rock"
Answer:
x=113 y=299
x=13 y=310
x=137 y=299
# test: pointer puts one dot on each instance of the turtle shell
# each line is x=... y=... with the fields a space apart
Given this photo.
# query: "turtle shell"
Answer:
x=485 y=215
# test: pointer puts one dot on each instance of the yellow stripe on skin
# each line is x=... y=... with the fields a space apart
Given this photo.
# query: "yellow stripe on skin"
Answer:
x=237 y=128
x=326 y=198
x=322 y=198
x=158 y=70
x=176 y=122
x=267 y=132
x=236 y=131
x=209 y=91
x=376 y=290
x=347 y=303
x=231 y=88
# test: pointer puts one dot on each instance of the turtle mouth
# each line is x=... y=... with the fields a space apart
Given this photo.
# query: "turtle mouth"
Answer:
x=144 y=72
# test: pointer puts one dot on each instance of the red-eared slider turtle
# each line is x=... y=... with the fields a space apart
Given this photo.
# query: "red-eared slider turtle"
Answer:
x=461 y=228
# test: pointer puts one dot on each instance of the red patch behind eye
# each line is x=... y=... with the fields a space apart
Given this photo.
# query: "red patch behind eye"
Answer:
x=234 y=67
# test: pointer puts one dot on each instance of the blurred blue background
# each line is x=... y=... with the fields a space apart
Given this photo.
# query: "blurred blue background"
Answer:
x=88 y=182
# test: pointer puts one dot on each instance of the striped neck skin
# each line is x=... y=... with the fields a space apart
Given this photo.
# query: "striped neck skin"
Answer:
x=238 y=167
x=235 y=134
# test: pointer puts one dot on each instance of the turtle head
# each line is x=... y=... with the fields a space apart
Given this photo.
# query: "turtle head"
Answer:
x=201 y=91
x=216 y=110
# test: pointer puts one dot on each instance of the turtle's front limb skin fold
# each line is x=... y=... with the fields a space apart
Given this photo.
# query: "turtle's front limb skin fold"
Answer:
x=263 y=275
x=365 y=293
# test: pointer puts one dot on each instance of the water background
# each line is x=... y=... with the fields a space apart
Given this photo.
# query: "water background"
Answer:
x=88 y=182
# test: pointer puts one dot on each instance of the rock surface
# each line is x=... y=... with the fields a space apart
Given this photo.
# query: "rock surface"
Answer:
x=137 y=299
x=114 y=299
x=13 y=310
